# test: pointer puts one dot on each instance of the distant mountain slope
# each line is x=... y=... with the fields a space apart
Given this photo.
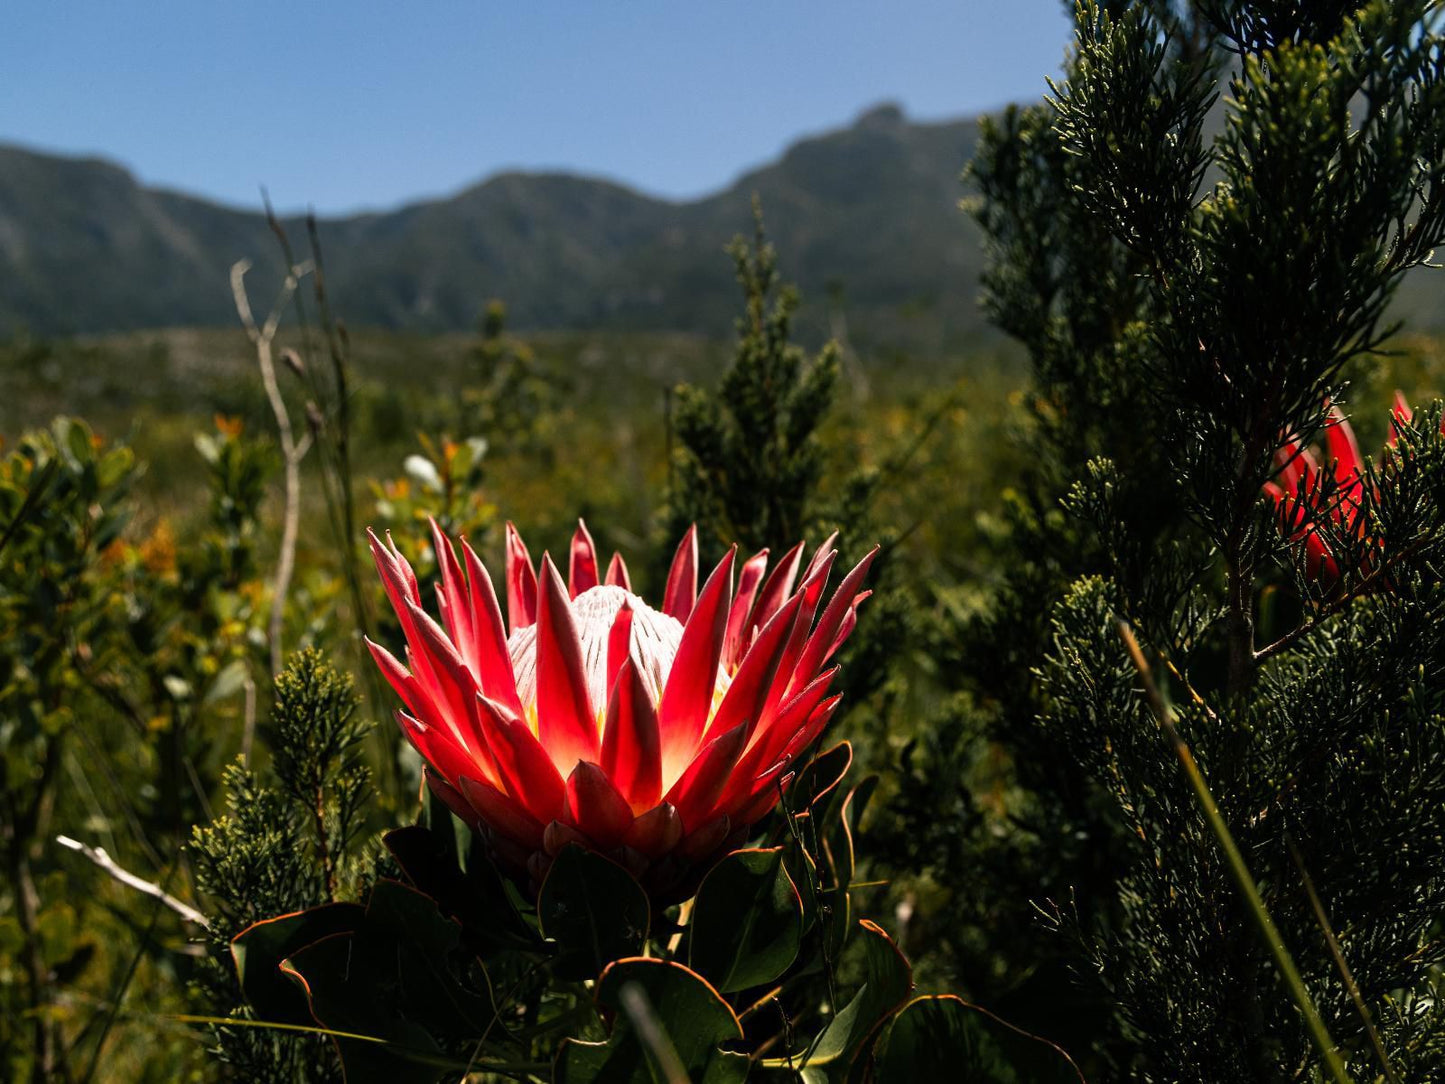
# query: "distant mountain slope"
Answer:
x=867 y=215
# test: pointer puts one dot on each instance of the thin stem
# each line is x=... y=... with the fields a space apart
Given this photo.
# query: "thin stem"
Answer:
x=1345 y=973
x=119 y=996
x=1237 y=867
x=248 y=726
x=651 y=1033
x=21 y=825
x=27 y=908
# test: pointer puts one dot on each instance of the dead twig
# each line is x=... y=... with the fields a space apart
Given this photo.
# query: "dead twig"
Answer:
x=292 y=450
x=107 y=865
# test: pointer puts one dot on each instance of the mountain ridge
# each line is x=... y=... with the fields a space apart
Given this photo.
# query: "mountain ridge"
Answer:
x=865 y=219
x=863 y=216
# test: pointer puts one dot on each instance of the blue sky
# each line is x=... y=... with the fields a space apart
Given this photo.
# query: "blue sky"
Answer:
x=369 y=104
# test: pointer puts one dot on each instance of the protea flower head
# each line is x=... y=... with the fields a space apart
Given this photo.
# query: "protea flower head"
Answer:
x=654 y=736
x=1301 y=499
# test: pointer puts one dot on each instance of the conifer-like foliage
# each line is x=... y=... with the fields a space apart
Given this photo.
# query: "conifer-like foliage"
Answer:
x=1194 y=296
x=748 y=457
x=288 y=842
x=749 y=464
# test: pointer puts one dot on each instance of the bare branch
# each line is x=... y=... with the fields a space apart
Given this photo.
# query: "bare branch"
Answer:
x=99 y=856
x=292 y=451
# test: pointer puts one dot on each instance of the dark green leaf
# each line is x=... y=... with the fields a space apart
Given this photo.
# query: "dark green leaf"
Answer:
x=682 y=1006
x=475 y=897
x=839 y=855
x=74 y=439
x=432 y=966
x=402 y=976
x=946 y=1038
x=747 y=923
x=819 y=778
x=889 y=980
x=594 y=910
x=258 y=951
x=349 y=992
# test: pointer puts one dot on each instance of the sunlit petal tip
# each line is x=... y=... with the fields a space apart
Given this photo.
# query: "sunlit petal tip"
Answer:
x=374 y=543
x=631 y=743
x=437 y=748
x=778 y=587
x=825 y=638
x=521 y=582
x=747 y=697
x=453 y=584
x=617 y=574
x=581 y=562
x=750 y=581
x=619 y=644
x=396 y=674
x=687 y=697
x=681 y=592
x=490 y=658
x=821 y=554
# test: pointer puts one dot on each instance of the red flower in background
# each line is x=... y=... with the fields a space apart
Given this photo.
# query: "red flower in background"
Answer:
x=656 y=737
x=1301 y=500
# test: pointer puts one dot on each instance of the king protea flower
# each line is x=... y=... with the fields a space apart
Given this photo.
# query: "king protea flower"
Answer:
x=654 y=736
x=1299 y=496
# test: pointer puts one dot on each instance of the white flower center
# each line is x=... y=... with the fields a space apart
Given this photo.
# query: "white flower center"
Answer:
x=655 y=638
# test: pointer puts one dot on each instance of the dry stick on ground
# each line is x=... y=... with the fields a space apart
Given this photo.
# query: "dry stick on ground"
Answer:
x=292 y=450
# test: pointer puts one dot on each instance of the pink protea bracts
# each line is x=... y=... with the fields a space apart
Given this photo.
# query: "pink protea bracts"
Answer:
x=656 y=737
x=1298 y=493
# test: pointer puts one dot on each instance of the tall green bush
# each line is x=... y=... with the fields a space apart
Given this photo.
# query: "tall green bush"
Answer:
x=1193 y=298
